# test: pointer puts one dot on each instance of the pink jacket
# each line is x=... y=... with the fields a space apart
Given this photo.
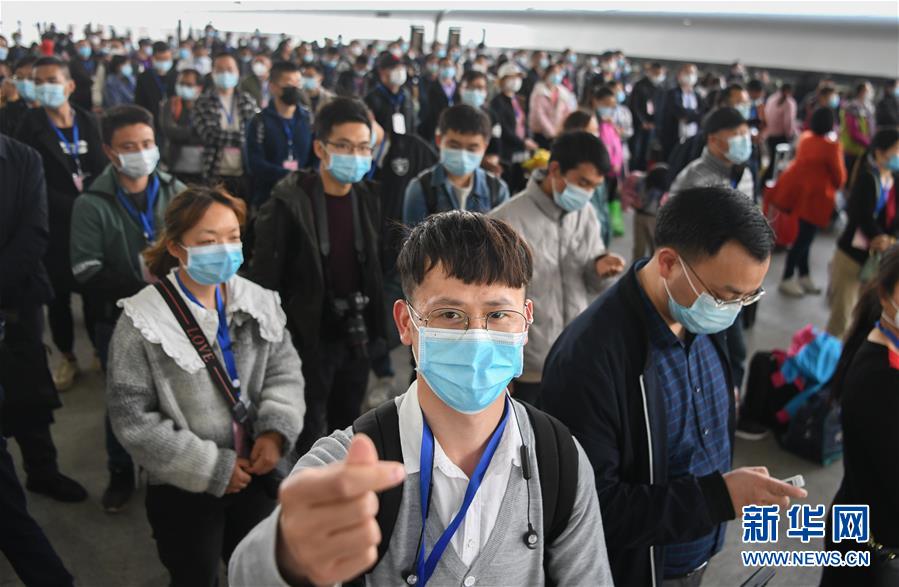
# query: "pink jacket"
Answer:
x=780 y=119
x=609 y=136
x=545 y=116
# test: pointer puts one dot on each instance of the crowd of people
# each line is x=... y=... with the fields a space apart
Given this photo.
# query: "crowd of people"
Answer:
x=252 y=224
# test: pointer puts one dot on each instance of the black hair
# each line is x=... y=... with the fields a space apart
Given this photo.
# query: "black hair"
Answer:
x=361 y=60
x=160 y=47
x=733 y=88
x=655 y=65
x=577 y=120
x=24 y=62
x=223 y=55
x=697 y=222
x=722 y=119
x=53 y=62
x=315 y=66
x=867 y=312
x=466 y=120
x=570 y=149
x=822 y=121
x=472 y=75
x=116 y=63
x=882 y=140
x=603 y=92
x=190 y=71
x=123 y=115
x=755 y=85
x=339 y=111
x=280 y=68
x=470 y=247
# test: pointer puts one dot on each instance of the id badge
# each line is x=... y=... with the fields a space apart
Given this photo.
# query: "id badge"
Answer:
x=399 y=123
x=78 y=180
x=291 y=164
x=650 y=108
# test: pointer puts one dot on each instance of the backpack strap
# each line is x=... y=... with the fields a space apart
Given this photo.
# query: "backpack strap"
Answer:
x=493 y=186
x=557 y=465
x=430 y=191
x=382 y=425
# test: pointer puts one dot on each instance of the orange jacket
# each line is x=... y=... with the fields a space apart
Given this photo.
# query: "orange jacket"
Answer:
x=809 y=185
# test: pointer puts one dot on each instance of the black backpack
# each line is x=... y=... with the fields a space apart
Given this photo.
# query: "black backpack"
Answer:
x=431 y=193
x=557 y=465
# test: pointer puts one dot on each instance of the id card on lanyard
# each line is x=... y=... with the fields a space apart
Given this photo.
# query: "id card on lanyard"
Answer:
x=290 y=163
x=71 y=149
x=144 y=218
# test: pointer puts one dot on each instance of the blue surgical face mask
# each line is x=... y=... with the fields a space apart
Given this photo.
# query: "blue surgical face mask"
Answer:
x=745 y=109
x=26 y=89
x=348 y=168
x=544 y=63
x=475 y=98
x=621 y=96
x=893 y=163
x=214 y=264
x=84 y=52
x=310 y=83
x=556 y=78
x=187 y=92
x=468 y=370
x=896 y=91
x=184 y=53
x=127 y=70
x=441 y=53
x=225 y=80
x=605 y=113
x=4 y=53
x=448 y=72
x=572 y=198
x=460 y=162
x=162 y=67
x=739 y=149
x=834 y=101
x=704 y=316
x=50 y=95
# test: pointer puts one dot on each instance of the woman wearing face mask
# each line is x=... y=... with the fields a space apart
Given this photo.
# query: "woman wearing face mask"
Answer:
x=857 y=123
x=873 y=225
x=866 y=384
x=550 y=103
x=168 y=407
x=182 y=148
x=119 y=86
x=509 y=110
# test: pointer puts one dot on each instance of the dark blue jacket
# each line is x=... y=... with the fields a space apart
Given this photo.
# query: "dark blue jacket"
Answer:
x=267 y=148
x=599 y=380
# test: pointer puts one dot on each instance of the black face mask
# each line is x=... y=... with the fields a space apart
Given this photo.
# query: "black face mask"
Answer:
x=290 y=95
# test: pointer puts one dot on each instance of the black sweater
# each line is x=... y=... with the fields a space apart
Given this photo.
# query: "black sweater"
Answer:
x=860 y=209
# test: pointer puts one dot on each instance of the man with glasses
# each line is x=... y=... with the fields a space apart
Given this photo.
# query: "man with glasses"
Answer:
x=469 y=474
x=642 y=379
x=318 y=245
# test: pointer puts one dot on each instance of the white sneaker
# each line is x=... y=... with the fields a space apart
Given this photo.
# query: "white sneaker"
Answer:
x=65 y=373
x=808 y=286
x=380 y=392
x=790 y=287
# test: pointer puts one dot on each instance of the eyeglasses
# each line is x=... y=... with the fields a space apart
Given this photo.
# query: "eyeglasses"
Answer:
x=746 y=300
x=346 y=148
x=509 y=321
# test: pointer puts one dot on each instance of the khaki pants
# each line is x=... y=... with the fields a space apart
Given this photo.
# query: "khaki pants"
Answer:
x=644 y=231
x=844 y=290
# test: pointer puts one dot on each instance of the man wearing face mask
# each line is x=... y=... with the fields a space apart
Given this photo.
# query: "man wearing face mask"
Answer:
x=222 y=117
x=112 y=224
x=353 y=82
x=439 y=96
x=570 y=261
x=157 y=82
x=539 y=63
x=19 y=96
x=279 y=138
x=183 y=147
x=318 y=245
x=464 y=471
x=473 y=91
x=389 y=100
x=509 y=110
x=644 y=101
x=312 y=93
x=682 y=110
x=255 y=83
x=457 y=182
x=642 y=379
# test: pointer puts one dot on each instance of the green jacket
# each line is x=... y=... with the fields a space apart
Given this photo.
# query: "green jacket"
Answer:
x=106 y=241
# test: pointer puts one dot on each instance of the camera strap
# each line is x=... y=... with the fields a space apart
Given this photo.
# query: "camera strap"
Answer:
x=320 y=211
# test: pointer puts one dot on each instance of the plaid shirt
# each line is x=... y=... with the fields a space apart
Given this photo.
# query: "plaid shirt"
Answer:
x=208 y=116
x=696 y=401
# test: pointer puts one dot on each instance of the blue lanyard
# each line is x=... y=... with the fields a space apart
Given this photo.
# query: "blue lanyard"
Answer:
x=71 y=148
x=395 y=99
x=425 y=568
x=229 y=114
x=882 y=199
x=377 y=159
x=289 y=132
x=143 y=218
x=222 y=336
x=889 y=334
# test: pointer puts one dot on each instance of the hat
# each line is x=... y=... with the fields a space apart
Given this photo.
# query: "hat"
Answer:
x=508 y=68
x=387 y=61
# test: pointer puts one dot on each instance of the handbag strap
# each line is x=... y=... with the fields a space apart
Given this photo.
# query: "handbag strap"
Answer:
x=197 y=338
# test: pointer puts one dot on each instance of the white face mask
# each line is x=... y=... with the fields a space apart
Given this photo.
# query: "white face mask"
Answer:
x=512 y=85
x=139 y=164
x=259 y=69
x=398 y=76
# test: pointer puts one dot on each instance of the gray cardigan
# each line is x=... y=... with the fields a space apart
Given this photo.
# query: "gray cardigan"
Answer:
x=162 y=404
x=578 y=556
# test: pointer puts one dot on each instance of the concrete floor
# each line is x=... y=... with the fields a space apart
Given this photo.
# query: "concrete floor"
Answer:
x=118 y=550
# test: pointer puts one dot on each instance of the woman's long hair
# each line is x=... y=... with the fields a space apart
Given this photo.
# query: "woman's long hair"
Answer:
x=866 y=314
x=882 y=141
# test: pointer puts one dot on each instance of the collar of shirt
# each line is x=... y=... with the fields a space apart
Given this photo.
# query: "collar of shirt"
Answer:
x=411 y=425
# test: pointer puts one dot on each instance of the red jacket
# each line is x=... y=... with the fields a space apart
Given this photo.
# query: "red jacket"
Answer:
x=809 y=185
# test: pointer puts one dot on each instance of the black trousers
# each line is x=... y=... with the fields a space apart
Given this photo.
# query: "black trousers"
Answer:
x=21 y=540
x=797 y=257
x=336 y=382
x=194 y=531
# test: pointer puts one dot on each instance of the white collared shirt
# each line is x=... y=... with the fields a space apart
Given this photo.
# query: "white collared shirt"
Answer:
x=450 y=482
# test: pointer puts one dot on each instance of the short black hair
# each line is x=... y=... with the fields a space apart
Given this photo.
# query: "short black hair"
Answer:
x=471 y=75
x=223 y=55
x=725 y=118
x=160 y=47
x=471 y=247
x=571 y=149
x=697 y=222
x=755 y=85
x=340 y=111
x=361 y=60
x=822 y=121
x=466 y=120
x=190 y=71
x=577 y=120
x=603 y=92
x=123 y=115
x=386 y=60
x=280 y=68
x=315 y=66
x=24 y=62
x=53 y=62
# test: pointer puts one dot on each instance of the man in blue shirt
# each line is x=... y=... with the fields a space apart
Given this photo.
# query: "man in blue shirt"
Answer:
x=457 y=182
x=279 y=138
x=642 y=379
